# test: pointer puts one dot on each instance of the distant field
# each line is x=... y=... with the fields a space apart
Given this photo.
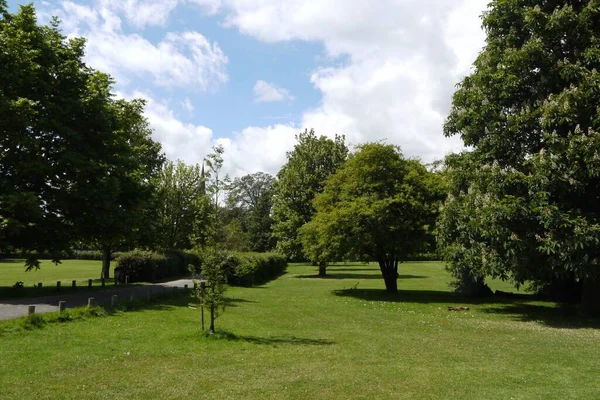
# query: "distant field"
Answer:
x=303 y=337
x=12 y=271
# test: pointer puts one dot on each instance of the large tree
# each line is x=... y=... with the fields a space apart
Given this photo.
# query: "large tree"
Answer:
x=180 y=192
x=250 y=199
x=75 y=163
x=377 y=207
x=42 y=87
x=309 y=164
x=525 y=203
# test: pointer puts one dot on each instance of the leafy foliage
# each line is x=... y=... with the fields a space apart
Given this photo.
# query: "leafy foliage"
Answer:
x=250 y=200
x=299 y=181
x=376 y=207
x=75 y=163
x=525 y=204
x=250 y=269
x=180 y=191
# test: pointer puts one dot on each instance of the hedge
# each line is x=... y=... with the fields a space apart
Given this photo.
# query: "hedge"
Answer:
x=250 y=269
x=147 y=266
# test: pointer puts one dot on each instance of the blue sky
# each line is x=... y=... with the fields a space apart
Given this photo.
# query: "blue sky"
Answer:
x=249 y=74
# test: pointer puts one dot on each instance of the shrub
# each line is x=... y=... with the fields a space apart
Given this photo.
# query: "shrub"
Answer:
x=92 y=255
x=249 y=269
x=140 y=266
x=147 y=266
x=33 y=321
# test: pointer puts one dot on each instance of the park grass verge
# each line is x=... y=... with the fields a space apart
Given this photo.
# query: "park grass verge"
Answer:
x=74 y=314
x=298 y=337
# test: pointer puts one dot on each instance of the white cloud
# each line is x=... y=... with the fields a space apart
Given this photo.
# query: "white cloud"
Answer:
x=186 y=59
x=187 y=105
x=269 y=92
x=402 y=60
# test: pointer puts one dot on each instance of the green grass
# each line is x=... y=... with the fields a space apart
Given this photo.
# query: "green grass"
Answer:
x=12 y=271
x=303 y=337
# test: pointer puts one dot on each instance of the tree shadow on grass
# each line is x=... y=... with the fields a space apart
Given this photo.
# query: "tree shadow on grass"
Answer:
x=233 y=302
x=518 y=307
x=356 y=276
x=564 y=316
x=225 y=335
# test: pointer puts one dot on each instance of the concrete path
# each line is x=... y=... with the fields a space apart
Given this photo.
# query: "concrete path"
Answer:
x=19 y=307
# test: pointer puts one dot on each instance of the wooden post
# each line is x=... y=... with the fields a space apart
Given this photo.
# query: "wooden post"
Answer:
x=91 y=302
x=103 y=282
x=39 y=284
x=61 y=306
x=31 y=310
x=57 y=285
x=74 y=284
x=89 y=283
x=126 y=279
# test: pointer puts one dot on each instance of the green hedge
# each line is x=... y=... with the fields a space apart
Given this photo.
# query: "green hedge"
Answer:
x=249 y=269
x=147 y=266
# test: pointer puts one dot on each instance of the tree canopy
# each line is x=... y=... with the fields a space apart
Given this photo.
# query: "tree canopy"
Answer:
x=525 y=203
x=76 y=164
x=309 y=164
x=375 y=207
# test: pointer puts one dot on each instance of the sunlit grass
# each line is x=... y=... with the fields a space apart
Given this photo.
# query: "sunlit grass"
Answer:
x=302 y=337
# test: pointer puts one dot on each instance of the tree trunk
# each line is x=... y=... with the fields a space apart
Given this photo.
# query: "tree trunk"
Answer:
x=389 y=270
x=322 y=269
x=105 y=262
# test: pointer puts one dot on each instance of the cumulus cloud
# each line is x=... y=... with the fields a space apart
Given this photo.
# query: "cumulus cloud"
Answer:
x=183 y=60
x=269 y=92
x=402 y=61
x=389 y=69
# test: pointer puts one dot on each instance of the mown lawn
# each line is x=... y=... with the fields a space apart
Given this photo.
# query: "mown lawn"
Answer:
x=13 y=271
x=301 y=337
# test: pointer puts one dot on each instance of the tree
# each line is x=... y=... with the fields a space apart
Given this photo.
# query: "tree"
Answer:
x=375 y=207
x=252 y=197
x=214 y=257
x=113 y=204
x=530 y=112
x=75 y=164
x=42 y=84
x=180 y=188
x=299 y=181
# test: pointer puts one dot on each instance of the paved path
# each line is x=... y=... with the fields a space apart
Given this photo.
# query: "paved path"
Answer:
x=19 y=307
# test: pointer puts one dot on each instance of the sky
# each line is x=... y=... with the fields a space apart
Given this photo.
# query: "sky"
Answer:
x=251 y=74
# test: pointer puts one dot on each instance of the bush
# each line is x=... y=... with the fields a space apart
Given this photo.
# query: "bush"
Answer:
x=92 y=255
x=249 y=269
x=147 y=266
x=140 y=266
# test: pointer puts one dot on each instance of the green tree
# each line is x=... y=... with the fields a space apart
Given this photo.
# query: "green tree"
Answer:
x=214 y=256
x=114 y=202
x=530 y=112
x=375 y=207
x=180 y=189
x=298 y=182
x=252 y=196
x=42 y=85
x=75 y=164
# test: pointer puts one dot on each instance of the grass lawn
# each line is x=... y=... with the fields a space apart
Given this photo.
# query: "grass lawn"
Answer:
x=12 y=271
x=301 y=337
